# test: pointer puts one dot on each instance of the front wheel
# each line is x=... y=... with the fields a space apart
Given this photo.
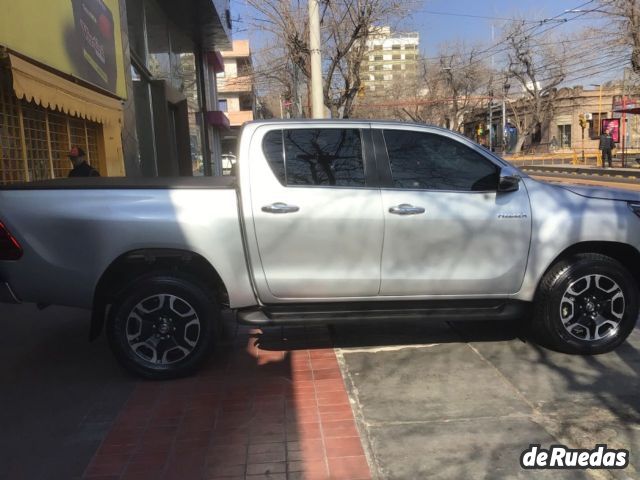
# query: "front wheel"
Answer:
x=163 y=325
x=586 y=304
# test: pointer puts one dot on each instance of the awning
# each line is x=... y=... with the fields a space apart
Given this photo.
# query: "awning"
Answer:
x=51 y=91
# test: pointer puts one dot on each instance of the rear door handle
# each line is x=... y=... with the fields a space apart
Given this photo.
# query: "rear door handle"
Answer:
x=406 y=209
x=280 y=207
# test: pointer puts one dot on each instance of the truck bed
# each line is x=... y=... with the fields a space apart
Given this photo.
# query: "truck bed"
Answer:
x=89 y=183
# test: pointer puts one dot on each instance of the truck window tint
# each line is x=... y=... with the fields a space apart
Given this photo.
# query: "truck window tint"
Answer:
x=318 y=156
x=427 y=161
x=273 y=151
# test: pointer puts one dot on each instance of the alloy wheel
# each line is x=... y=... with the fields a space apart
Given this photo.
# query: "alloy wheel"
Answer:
x=163 y=329
x=592 y=308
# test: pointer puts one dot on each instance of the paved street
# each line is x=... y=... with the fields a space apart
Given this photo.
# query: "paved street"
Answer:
x=430 y=401
x=59 y=393
x=463 y=401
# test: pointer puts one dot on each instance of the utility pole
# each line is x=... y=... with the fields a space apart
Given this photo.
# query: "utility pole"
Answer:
x=491 y=120
x=505 y=90
x=317 y=100
x=623 y=122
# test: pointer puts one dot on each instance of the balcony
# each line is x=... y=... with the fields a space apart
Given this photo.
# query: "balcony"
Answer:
x=240 y=49
x=235 y=84
x=236 y=119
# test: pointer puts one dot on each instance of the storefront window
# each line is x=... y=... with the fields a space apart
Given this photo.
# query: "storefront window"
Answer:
x=169 y=57
x=564 y=135
x=35 y=141
x=136 y=31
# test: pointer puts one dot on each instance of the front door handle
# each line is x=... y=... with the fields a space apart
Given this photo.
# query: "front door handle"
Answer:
x=406 y=209
x=280 y=207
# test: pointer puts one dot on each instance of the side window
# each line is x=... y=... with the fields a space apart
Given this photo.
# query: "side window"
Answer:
x=273 y=151
x=319 y=156
x=427 y=161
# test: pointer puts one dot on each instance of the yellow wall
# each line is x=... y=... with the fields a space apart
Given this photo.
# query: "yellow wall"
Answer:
x=78 y=37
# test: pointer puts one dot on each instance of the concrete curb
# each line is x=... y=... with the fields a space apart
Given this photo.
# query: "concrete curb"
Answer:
x=630 y=173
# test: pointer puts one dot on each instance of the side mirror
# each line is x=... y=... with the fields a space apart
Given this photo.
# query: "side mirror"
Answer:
x=508 y=183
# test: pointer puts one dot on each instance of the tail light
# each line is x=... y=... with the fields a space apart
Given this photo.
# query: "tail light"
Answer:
x=10 y=249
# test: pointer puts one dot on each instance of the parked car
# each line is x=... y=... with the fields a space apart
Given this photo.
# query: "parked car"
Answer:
x=327 y=221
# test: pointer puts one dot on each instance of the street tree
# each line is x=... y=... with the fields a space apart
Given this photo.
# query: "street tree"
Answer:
x=346 y=25
x=537 y=69
x=626 y=22
x=449 y=87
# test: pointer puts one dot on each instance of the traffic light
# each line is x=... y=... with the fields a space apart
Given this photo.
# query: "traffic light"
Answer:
x=583 y=120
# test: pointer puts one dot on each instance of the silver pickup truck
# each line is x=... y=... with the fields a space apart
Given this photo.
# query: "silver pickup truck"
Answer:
x=325 y=221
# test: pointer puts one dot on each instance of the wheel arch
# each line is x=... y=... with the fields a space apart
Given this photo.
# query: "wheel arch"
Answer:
x=624 y=253
x=133 y=264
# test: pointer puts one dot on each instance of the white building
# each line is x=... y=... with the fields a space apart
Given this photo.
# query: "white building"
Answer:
x=391 y=59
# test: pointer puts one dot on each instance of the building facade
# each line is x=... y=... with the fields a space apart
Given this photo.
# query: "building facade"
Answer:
x=391 y=60
x=563 y=131
x=236 y=96
x=62 y=83
x=172 y=124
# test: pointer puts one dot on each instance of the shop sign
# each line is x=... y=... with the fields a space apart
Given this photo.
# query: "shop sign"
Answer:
x=81 y=38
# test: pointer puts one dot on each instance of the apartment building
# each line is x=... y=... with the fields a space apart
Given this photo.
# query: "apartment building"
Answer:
x=236 y=97
x=391 y=60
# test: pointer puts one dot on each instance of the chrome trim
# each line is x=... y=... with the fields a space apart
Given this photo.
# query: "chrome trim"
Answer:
x=406 y=209
x=280 y=207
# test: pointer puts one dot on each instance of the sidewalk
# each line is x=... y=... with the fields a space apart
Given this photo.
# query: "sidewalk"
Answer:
x=269 y=405
x=627 y=173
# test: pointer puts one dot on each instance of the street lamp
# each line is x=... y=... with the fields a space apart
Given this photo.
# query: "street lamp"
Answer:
x=505 y=90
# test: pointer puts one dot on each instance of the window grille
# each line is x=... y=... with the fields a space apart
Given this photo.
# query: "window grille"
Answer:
x=35 y=141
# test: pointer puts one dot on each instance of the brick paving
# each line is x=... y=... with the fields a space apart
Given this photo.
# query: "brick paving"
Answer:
x=269 y=405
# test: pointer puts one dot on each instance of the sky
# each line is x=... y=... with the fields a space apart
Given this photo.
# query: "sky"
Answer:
x=437 y=29
x=443 y=21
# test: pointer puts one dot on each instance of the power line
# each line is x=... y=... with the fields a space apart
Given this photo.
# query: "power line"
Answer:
x=451 y=14
x=524 y=33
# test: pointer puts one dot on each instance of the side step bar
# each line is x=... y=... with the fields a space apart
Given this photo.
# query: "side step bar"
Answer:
x=431 y=311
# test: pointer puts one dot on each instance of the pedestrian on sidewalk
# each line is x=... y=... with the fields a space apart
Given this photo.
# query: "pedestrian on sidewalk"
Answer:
x=606 y=145
x=80 y=166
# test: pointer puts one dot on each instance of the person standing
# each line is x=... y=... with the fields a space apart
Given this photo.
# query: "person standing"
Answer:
x=80 y=166
x=606 y=145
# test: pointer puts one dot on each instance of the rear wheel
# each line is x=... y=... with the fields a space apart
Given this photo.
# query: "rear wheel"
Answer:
x=586 y=304
x=163 y=325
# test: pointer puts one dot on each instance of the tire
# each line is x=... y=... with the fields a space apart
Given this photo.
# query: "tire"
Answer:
x=163 y=325
x=586 y=304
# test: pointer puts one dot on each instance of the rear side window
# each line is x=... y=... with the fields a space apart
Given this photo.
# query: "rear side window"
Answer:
x=316 y=156
x=427 y=161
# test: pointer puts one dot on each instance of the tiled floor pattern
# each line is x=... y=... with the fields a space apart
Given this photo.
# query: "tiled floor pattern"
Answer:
x=269 y=405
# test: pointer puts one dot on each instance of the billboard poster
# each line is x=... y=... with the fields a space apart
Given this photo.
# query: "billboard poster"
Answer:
x=613 y=125
x=77 y=37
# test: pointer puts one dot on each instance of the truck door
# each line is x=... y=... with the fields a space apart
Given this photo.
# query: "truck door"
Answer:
x=447 y=229
x=317 y=220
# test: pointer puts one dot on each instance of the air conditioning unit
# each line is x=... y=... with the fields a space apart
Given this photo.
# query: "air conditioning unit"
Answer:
x=588 y=116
